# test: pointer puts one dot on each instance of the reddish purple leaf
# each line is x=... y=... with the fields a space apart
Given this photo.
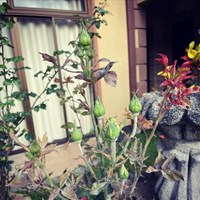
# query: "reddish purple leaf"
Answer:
x=111 y=78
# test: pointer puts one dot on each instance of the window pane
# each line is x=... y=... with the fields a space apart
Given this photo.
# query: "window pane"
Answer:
x=1 y=1
x=36 y=36
x=74 y=5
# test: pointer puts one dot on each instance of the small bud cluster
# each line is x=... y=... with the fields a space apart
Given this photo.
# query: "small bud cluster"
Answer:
x=34 y=150
x=84 y=47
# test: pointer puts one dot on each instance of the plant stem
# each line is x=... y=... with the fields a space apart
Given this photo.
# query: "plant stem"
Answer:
x=113 y=151
x=42 y=167
x=149 y=139
x=159 y=118
x=73 y=104
x=135 y=118
x=86 y=162
x=136 y=178
x=134 y=129
x=122 y=187
x=100 y=125
x=161 y=114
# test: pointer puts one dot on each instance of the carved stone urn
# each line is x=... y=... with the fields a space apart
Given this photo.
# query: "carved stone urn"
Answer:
x=181 y=130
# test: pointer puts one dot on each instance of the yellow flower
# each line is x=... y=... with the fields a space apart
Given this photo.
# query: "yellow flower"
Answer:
x=192 y=53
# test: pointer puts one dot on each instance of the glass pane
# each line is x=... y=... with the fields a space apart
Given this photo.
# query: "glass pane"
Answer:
x=74 y=5
x=1 y=1
x=36 y=36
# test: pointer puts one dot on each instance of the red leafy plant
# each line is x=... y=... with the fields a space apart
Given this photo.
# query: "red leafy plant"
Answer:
x=176 y=91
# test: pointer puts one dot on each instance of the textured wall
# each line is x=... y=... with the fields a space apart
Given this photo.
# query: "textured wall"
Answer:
x=114 y=46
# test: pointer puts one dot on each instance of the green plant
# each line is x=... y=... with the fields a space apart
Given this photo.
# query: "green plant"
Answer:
x=109 y=163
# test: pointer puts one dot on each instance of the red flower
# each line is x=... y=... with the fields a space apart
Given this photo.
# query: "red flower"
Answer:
x=84 y=198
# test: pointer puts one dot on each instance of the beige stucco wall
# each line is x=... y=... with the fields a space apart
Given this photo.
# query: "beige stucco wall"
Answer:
x=113 y=46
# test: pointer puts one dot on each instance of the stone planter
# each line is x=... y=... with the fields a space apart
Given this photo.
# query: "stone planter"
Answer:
x=181 y=129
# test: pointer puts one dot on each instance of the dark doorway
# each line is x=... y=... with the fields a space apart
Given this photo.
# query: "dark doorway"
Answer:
x=182 y=35
x=171 y=26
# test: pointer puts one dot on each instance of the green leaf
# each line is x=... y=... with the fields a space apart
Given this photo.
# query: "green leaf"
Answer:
x=4 y=7
x=97 y=24
x=97 y=188
x=17 y=95
x=43 y=106
x=16 y=82
x=7 y=82
x=79 y=170
x=51 y=89
x=74 y=65
x=85 y=113
x=15 y=59
x=10 y=102
x=152 y=151
x=32 y=94
x=57 y=53
x=60 y=92
x=2 y=66
x=38 y=73
x=68 y=125
x=36 y=108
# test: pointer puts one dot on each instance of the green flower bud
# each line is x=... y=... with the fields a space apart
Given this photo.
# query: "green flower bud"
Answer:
x=99 y=110
x=80 y=52
x=76 y=135
x=36 y=165
x=90 y=53
x=113 y=129
x=123 y=172
x=135 y=105
x=29 y=155
x=84 y=37
x=35 y=148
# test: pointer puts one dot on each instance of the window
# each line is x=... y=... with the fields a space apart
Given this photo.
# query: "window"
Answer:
x=51 y=4
x=45 y=27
